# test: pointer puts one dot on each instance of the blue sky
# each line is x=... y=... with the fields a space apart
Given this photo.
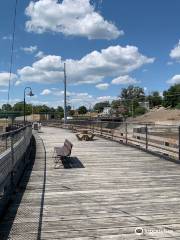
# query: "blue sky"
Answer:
x=107 y=45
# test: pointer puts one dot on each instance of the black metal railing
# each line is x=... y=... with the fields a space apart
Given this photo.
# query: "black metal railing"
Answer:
x=14 y=133
x=155 y=138
x=14 y=150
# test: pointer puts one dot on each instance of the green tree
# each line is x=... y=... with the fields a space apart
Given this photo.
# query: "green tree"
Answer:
x=68 y=109
x=6 y=107
x=116 y=104
x=44 y=109
x=71 y=112
x=99 y=107
x=60 y=112
x=41 y=109
x=59 y=109
x=132 y=93
x=155 y=99
x=140 y=111
x=130 y=98
x=82 y=110
x=19 y=107
x=172 y=96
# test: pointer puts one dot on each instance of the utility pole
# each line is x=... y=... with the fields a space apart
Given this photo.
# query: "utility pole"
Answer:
x=65 y=104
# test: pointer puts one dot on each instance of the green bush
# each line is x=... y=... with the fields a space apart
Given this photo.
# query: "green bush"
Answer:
x=140 y=111
x=178 y=106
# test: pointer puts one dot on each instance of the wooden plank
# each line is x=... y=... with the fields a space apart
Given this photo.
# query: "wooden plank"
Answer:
x=118 y=189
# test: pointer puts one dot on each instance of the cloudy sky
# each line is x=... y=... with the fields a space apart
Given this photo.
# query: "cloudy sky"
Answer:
x=106 y=45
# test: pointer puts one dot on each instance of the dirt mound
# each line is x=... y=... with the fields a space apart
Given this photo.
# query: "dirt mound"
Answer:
x=160 y=115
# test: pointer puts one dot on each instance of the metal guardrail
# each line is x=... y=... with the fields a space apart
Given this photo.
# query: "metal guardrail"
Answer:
x=160 y=139
x=14 y=152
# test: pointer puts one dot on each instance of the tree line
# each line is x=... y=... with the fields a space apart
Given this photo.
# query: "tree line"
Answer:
x=39 y=109
x=128 y=102
x=132 y=101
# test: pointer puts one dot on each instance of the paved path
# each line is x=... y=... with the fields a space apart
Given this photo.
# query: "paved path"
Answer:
x=105 y=192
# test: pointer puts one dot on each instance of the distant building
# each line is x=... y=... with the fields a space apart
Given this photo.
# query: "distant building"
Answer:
x=37 y=117
x=144 y=104
x=107 y=111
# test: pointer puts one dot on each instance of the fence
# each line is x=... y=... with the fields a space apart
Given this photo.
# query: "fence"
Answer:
x=159 y=139
x=14 y=146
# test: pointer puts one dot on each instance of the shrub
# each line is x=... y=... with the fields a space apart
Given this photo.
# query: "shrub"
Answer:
x=178 y=106
x=140 y=111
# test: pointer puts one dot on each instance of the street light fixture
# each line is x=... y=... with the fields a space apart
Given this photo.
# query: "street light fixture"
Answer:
x=30 y=94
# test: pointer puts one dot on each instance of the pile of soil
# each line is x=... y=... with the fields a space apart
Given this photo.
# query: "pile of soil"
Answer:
x=159 y=115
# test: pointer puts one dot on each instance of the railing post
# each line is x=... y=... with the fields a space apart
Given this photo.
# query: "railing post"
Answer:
x=179 y=142
x=101 y=127
x=126 y=132
x=6 y=142
x=146 y=137
x=12 y=159
x=112 y=130
x=24 y=135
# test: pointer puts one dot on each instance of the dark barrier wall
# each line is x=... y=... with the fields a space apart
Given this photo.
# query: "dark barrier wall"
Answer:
x=15 y=147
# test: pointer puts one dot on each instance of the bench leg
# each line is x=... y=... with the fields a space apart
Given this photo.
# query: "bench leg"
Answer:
x=57 y=162
x=57 y=165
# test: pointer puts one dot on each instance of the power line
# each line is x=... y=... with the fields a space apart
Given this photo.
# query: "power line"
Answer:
x=12 y=48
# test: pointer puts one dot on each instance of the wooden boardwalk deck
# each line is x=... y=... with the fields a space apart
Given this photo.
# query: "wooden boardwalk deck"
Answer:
x=110 y=191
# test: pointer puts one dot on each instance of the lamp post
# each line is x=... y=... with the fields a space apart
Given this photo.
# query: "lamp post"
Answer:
x=65 y=99
x=30 y=94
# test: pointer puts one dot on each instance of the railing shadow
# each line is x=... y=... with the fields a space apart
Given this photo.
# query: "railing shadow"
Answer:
x=72 y=162
x=42 y=196
x=6 y=226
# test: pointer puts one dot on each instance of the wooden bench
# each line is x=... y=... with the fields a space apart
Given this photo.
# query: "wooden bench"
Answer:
x=63 y=152
x=85 y=136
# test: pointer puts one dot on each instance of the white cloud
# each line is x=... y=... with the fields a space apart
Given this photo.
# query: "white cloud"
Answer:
x=105 y=98
x=81 y=99
x=60 y=93
x=145 y=89
x=40 y=54
x=38 y=102
x=88 y=100
x=174 y=80
x=12 y=101
x=92 y=68
x=169 y=63
x=30 y=49
x=71 y=17
x=175 y=52
x=4 y=78
x=9 y=37
x=17 y=83
x=45 y=70
x=124 y=80
x=3 y=90
x=102 y=86
x=46 y=92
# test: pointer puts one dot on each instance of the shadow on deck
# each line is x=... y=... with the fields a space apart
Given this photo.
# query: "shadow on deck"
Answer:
x=7 y=221
x=105 y=191
x=72 y=162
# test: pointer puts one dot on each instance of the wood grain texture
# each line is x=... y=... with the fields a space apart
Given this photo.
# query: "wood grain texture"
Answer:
x=106 y=193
